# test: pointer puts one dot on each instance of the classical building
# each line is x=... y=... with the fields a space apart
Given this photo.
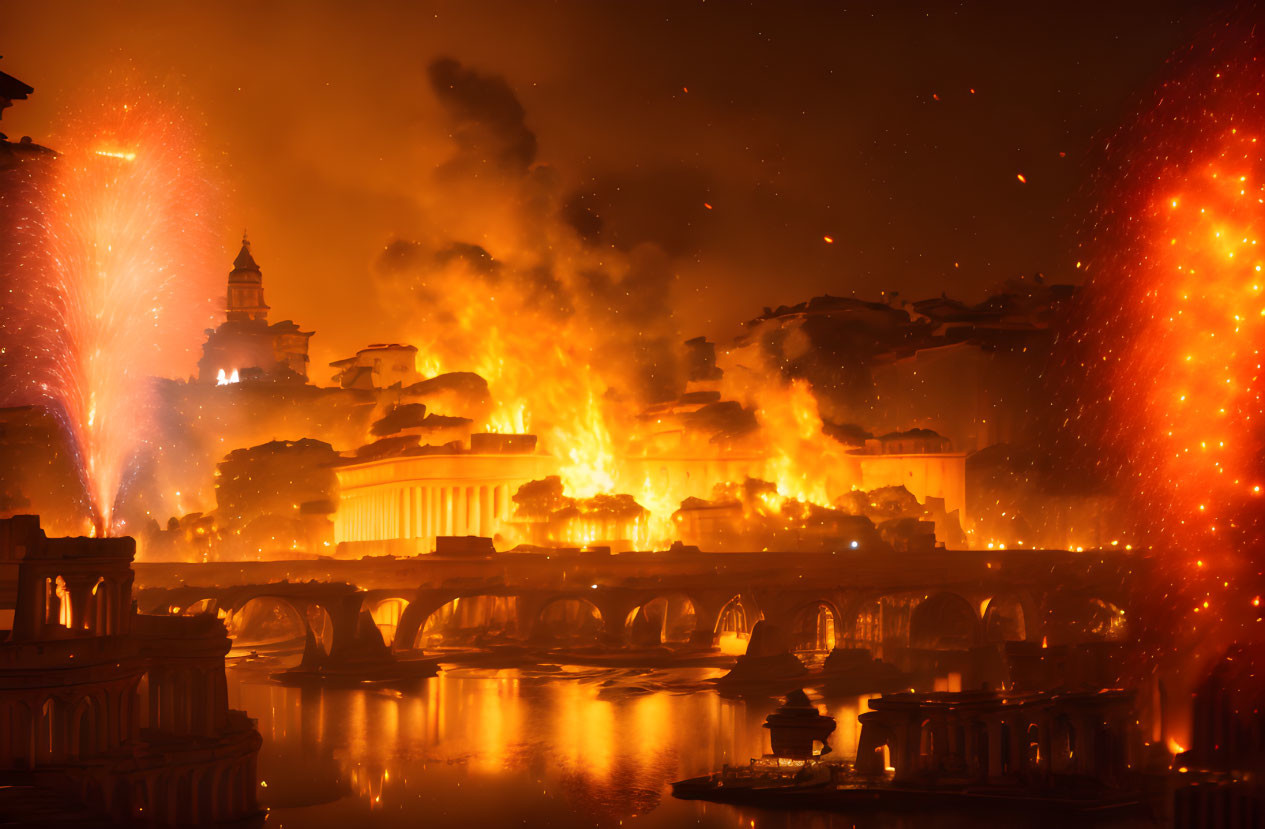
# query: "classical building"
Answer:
x=1033 y=740
x=245 y=346
x=379 y=366
x=400 y=504
x=124 y=712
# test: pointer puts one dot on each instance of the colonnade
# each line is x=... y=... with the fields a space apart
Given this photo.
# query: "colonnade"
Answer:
x=990 y=737
x=195 y=794
x=183 y=700
x=422 y=510
x=82 y=602
x=46 y=729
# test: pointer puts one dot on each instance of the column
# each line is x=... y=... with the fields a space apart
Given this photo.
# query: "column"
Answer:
x=166 y=712
x=414 y=511
x=1018 y=745
x=428 y=509
x=487 y=517
x=78 y=594
x=460 y=525
x=994 y=747
x=970 y=748
x=154 y=695
x=449 y=497
x=1045 y=742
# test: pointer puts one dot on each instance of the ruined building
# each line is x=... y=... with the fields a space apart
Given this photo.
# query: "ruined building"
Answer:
x=126 y=713
x=245 y=346
x=379 y=366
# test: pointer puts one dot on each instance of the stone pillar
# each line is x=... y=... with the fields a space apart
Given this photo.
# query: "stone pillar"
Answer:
x=1018 y=744
x=905 y=748
x=445 y=511
x=252 y=775
x=415 y=510
x=1045 y=743
x=970 y=749
x=167 y=708
x=1086 y=745
x=994 y=747
x=487 y=522
x=77 y=595
x=403 y=526
x=428 y=510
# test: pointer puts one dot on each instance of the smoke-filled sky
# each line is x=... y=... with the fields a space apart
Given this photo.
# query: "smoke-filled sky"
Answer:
x=334 y=129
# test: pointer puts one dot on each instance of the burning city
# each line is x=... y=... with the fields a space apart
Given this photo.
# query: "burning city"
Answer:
x=775 y=416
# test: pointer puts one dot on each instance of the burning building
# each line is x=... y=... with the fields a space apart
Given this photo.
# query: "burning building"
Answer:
x=381 y=366
x=245 y=345
x=400 y=503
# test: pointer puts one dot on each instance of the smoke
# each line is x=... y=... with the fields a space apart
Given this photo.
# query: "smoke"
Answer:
x=497 y=278
x=489 y=123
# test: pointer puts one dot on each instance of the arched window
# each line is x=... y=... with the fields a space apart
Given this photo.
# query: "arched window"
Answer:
x=48 y=746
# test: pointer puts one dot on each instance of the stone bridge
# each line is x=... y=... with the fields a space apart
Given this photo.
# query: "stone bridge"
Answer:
x=935 y=600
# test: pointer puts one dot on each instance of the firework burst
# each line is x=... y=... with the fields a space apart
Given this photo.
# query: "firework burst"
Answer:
x=1171 y=361
x=107 y=283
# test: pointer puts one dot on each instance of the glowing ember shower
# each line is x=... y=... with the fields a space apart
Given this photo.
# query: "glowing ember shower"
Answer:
x=1175 y=346
x=108 y=285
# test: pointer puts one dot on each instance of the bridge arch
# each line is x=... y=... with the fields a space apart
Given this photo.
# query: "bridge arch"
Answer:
x=1008 y=618
x=569 y=620
x=732 y=627
x=671 y=617
x=386 y=614
x=263 y=619
x=87 y=727
x=815 y=627
x=734 y=617
x=201 y=606
x=944 y=621
x=462 y=620
x=1075 y=617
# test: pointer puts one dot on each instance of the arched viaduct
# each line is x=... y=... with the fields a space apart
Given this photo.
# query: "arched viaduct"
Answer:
x=936 y=599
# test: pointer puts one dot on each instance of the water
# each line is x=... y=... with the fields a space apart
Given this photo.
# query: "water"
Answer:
x=484 y=748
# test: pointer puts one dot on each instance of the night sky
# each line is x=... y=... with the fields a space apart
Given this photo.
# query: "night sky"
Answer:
x=327 y=136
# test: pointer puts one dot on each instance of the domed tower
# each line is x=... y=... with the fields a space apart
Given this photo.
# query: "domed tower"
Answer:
x=246 y=287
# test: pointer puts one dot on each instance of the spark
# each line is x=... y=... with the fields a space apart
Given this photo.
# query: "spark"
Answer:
x=106 y=246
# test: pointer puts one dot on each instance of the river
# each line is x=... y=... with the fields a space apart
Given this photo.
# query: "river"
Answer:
x=571 y=747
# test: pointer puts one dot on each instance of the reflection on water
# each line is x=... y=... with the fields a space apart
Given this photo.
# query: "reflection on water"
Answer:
x=492 y=748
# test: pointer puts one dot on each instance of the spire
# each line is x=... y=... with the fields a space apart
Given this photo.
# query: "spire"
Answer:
x=244 y=261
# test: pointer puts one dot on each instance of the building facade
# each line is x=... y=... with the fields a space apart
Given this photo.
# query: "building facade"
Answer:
x=245 y=346
x=401 y=504
x=380 y=366
x=125 y=712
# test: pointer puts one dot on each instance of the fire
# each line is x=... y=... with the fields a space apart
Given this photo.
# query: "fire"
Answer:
x=116 y=288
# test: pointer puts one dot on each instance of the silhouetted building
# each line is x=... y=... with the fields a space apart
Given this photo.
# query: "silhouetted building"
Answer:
x=1032 y=741
x=245 y=346
x=126 y=712
x=1220 y=782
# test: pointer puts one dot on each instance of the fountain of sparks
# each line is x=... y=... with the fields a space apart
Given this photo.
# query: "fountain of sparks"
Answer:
x=1172 y=364
x=107 y=283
